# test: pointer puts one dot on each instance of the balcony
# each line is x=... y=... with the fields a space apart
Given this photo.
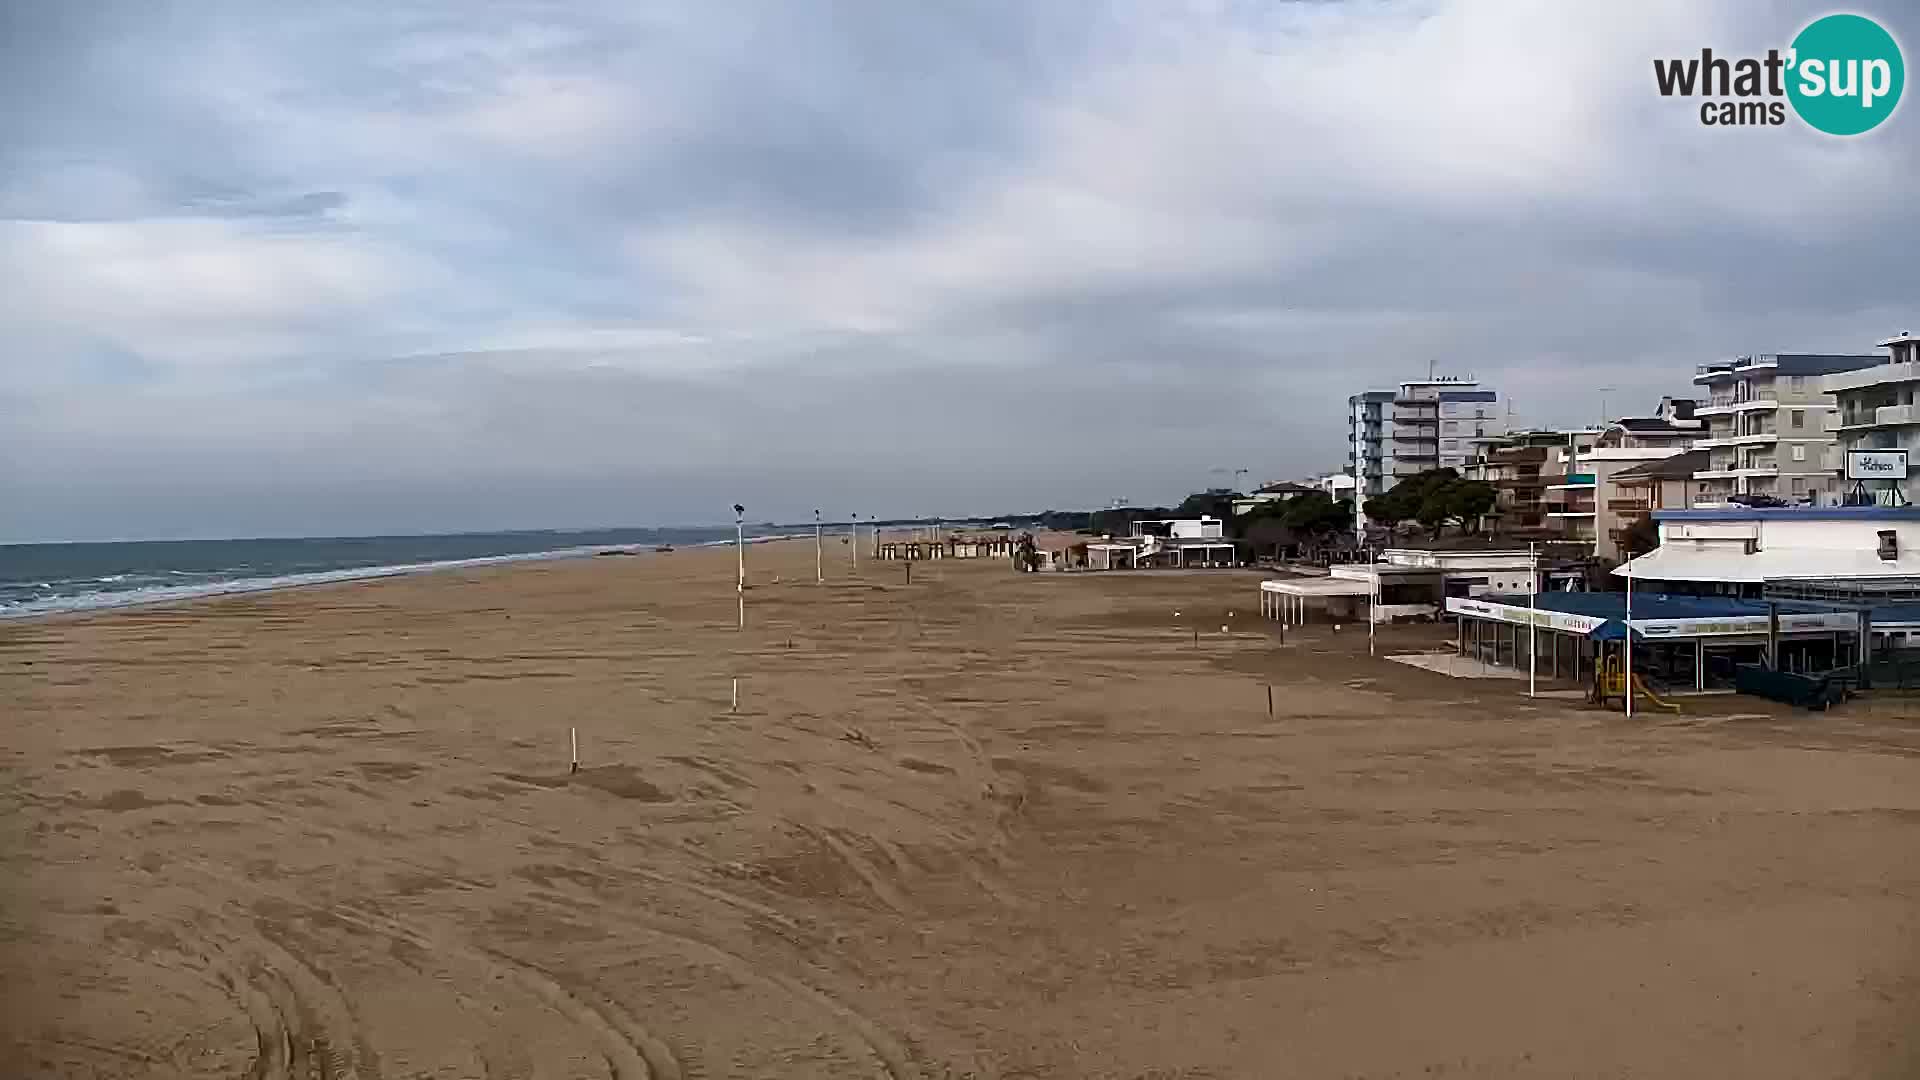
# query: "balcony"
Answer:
x=1723 y=404
x=1761 y=438
x=1422 y=419
x=1572 y=481
x=1732 y=469
x=1629 y=506
x=1888 y=415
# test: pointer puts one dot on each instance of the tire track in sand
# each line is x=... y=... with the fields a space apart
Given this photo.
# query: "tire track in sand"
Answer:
x=631 y=1051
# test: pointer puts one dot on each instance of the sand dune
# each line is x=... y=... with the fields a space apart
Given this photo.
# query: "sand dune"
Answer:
x=982 y=825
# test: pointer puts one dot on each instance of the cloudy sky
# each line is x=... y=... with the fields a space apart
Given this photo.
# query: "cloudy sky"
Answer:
x=289 y=268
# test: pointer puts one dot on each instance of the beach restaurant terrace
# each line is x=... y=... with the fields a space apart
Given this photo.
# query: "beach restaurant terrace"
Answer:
x=1686 y=640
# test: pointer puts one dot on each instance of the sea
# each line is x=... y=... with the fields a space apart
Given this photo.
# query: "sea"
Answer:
x=46 y=579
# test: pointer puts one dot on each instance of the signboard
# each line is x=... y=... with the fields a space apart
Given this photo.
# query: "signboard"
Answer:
x=1876 y=464
x=1725 y=626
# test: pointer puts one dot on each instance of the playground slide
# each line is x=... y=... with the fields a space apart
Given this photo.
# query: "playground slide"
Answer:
x=1640 y=688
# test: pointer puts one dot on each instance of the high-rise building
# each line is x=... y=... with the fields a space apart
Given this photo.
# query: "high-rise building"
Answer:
x=1770 y=427
x=1876 y=409
x=1425 y=424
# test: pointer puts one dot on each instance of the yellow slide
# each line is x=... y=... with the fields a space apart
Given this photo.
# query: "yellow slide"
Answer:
x=1611 y=682
x=1640 y=688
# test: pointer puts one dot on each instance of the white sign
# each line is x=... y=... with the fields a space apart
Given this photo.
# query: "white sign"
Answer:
x=1730 y=625
x=1876 y=464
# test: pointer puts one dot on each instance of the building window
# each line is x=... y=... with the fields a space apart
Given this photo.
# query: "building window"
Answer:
x=1453 y=444
x=1799 y=418
x=1799 y=453
x=1799 y=485
x=1799 y=384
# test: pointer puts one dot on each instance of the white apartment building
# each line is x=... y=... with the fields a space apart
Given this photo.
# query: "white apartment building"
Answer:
x=1425 y=424
x=1876 y=411
x=1770 y=427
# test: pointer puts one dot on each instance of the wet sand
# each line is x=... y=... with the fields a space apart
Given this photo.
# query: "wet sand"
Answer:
x=982 y=825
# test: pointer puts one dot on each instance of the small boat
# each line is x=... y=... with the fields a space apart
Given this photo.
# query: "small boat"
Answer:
x=664 y=548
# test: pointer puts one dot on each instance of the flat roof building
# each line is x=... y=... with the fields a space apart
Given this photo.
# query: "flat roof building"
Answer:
x=1771 y=427
x=1876 y=410
x=1424 y=425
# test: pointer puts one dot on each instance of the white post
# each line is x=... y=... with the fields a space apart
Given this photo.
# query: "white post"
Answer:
x=735 y=707
x=740 y=553
x=1629 y=639
x=819 y=553
x=853 y=526
x=1373 y=598
x=573 y=739
x=1533 y=635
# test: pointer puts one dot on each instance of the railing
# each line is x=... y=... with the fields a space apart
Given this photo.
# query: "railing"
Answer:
x=1897 y=414
x=1629 y=506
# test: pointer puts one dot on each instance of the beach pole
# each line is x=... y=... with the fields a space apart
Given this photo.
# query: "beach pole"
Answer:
x=735 y=707
x=819 y=553
x=573 y=739
x=1629 y=663
x=1533 y=635
x=740 y=552
x=1269 y=701
x=854 y=527
x=1373 y=599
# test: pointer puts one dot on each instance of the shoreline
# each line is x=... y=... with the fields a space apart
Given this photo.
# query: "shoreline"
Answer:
x=186 y=594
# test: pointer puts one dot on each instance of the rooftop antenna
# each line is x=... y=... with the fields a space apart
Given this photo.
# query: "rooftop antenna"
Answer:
x=1604 y=391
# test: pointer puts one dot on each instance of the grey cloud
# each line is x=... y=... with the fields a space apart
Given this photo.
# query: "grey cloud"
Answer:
x=370 y=267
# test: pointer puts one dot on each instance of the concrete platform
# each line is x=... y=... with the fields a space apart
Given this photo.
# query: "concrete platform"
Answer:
x=1460 y=667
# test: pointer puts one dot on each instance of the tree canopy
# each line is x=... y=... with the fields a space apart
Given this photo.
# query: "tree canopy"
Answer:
x=1435 y=499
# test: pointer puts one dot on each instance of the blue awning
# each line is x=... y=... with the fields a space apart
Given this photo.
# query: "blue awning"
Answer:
x=1614 y=630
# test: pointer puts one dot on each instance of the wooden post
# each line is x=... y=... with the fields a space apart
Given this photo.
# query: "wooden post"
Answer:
x=573 y=738
x=1269 y=701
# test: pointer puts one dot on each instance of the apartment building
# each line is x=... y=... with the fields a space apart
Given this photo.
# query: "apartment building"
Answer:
x=1519 y=466
x=1580 y=502
x=1770 y=427
x=1665 y=484
x=1875 y=409
x=1425 y=424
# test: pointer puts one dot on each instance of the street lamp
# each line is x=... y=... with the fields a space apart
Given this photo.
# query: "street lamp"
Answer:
x=740 y=552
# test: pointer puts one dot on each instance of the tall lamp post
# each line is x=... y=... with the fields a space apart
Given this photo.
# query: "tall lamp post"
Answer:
x=1627 y=641
x=819 y=554
x=1373 y=599
x=740 y=553
x=1533 y=617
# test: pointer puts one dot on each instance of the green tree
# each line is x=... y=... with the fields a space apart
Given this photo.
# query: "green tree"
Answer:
x=1316 y=514
x=1641 y=537
x=1434 y=498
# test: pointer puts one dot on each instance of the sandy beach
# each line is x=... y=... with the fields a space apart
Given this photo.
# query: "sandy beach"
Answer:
x=982 y=825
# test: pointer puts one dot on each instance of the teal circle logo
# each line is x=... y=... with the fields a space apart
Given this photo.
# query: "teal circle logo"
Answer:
x=1846 y=74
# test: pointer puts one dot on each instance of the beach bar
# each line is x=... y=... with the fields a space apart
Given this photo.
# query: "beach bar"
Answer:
x=1403 y=583
x=1688 y=640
